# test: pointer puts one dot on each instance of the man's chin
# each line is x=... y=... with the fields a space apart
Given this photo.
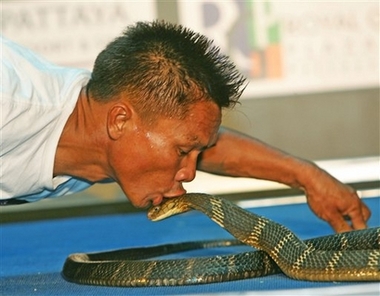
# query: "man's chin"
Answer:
x=144 y=204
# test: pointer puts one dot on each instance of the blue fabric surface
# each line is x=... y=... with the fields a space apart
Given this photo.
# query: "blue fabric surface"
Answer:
x=33 y=253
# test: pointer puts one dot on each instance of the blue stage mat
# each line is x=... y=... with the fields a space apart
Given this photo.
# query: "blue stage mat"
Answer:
x=33 y=253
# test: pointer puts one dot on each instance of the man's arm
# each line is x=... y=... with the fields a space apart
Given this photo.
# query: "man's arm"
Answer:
x=239 y=155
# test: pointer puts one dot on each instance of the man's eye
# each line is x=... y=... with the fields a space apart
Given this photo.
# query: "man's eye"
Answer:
x=183 y=152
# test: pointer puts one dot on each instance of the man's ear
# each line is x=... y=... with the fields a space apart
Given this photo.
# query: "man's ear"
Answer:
x=117 y=120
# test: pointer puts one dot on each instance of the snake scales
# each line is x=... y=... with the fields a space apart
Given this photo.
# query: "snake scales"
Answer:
x=352 y=256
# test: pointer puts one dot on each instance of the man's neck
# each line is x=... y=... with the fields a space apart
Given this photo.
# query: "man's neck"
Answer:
x=80 y=150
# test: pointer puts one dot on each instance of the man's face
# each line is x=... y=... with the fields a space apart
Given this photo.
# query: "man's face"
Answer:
x=153 y=162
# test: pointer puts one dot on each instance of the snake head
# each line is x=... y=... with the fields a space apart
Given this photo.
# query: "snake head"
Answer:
x=167 y=208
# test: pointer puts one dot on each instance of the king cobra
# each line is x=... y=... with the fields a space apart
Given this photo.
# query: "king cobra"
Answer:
x=351 y=256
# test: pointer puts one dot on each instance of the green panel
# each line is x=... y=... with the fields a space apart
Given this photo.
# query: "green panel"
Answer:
x=274 y=33
x=251 y=25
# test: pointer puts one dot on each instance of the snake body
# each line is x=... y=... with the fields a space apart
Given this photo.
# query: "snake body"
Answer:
x=352 y=256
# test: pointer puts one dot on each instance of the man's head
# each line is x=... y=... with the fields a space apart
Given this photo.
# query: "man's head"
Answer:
x=163 y=69
x=161 y=88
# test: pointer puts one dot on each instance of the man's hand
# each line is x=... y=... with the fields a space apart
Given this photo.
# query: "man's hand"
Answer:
x=235 y=154
x=336 y=203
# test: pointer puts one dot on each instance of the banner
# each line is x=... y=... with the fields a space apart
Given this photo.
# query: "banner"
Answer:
x=282 y=47
x=71 y=33
x=288 y=47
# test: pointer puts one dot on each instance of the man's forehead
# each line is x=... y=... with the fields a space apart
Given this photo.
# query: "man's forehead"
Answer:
x=204 y=131
x=199 y=128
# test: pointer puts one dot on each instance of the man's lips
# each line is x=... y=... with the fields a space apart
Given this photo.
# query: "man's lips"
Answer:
x=157 y=200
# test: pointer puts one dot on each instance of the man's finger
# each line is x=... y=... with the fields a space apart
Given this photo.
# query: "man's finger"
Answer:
x=366 y=212
x=357 y=219
x=339 y=224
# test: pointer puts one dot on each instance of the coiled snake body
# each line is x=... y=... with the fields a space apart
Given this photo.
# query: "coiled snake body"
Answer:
x=352 y=256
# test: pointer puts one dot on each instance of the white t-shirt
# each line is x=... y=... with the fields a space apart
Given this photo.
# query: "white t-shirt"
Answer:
x=37 y=98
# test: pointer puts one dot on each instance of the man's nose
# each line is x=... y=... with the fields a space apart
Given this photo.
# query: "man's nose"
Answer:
x=188 y=170
x=186 y=174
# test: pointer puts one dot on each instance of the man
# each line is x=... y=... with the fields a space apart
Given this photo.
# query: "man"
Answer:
x=147 y=117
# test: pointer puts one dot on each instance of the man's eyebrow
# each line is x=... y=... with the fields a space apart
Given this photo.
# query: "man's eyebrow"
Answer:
x=205 y=147
x=200 y=146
